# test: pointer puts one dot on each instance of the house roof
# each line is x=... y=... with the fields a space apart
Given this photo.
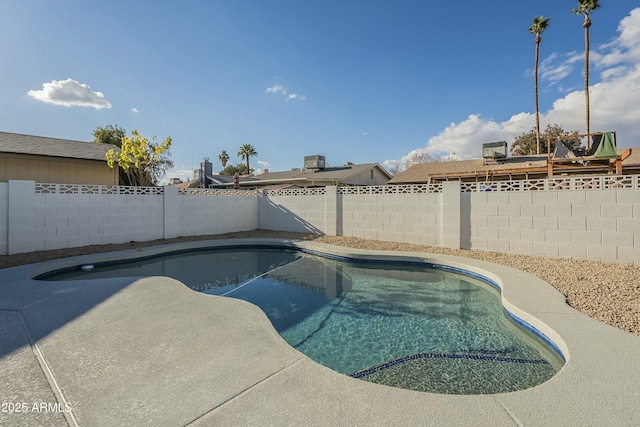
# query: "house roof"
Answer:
x=194 y=183
x=228 y=179
x=421 y=173
x=335 y=173
x=52 y=147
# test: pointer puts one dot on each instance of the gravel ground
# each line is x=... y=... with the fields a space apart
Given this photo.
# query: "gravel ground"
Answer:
x=605 y=291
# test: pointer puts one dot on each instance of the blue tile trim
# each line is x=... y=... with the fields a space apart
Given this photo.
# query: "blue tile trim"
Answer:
x=465 y=355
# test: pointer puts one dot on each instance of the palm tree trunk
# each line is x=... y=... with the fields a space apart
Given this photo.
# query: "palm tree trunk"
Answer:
x=535 y=89
x=586 y=25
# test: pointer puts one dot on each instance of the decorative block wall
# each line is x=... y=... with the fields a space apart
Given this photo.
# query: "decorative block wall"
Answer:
x=36 y=217
x=596 y=218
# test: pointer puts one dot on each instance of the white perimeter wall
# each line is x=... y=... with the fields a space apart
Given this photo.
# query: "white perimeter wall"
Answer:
x=601 y=222
x=413 y=218
x=72 y=220
x=594 y=224
x=192 y=215
x=302 y=212
x=35 y=220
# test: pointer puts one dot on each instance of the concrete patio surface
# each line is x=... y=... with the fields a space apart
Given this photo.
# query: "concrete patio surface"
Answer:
x=150 y=351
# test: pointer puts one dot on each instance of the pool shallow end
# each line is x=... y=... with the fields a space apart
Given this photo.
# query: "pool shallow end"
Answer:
x=129 y=350
x=533 y=295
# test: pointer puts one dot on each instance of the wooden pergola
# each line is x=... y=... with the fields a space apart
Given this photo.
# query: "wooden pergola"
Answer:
x=584 y=163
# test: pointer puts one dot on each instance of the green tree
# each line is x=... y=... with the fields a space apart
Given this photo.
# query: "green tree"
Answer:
x=231 y=170
x=224 y=158
x=527 y=142
x=246 y=151
x=540 y=23
x=109 y=134
x=113 y=135
x=585 y=8
x=144 y=161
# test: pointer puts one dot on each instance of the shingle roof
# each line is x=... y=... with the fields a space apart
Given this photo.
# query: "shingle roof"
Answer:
x=336 y=173
x=52 y=147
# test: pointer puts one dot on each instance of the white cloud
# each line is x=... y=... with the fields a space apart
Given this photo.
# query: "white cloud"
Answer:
x=275 y=89
x=557 y=67
x=70 y=93
x=263 y=167
x=296 y=96
x=465 y=138
x=614 y=104
x=134 y=110
x=627 y=45
x=278 y=89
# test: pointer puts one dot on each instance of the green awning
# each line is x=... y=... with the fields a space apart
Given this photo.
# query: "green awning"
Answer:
x=607 y=147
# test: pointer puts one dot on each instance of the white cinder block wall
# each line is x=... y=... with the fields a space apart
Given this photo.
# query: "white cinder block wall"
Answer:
x=72 y=220
x=206 y=215
x=410 y=218
x=596 y=224
x=593 y=224
x=581 y=224
x=413 y=218
x=300 y=213
x=35 y=221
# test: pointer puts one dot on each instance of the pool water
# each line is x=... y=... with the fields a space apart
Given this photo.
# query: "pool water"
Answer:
x=412 y=327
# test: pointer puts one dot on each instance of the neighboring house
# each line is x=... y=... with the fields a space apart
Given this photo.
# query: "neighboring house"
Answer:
x=54 y=160
x=514 y=168
x=316 y=174
x=365 y=174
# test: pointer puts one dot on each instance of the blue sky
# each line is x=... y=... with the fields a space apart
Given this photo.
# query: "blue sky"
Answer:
x=356 y=81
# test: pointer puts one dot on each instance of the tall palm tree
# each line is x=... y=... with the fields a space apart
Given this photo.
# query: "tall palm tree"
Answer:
x=246 y=151
x=224 y=158
x=585 y=8
x=540 y=23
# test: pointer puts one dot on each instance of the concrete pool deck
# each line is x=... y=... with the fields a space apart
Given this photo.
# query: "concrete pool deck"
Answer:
x=150 y=351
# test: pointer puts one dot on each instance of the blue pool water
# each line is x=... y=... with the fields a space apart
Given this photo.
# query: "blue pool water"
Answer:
x=414 y=327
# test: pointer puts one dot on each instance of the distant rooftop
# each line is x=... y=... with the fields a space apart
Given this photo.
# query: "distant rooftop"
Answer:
x=331 y=173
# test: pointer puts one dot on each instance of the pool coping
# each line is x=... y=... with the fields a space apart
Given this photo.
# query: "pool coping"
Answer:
x=111 y=353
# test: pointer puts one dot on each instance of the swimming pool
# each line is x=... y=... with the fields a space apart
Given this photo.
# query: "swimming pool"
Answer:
x=409 y=325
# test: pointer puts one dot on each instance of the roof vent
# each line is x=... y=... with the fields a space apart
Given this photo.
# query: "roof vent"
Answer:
x=314 y=162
